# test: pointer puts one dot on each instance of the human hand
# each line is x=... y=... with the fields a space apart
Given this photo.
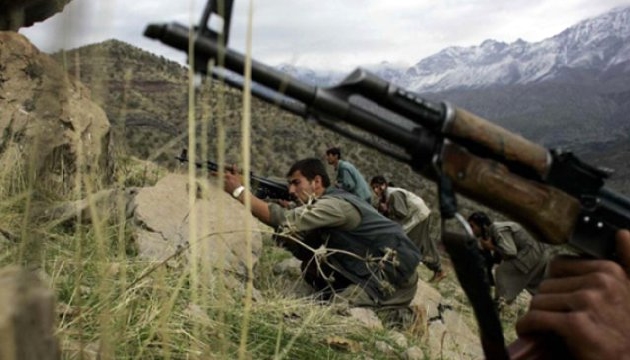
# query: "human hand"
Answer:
x=285 y=203
x=587 y=304
x=232 y=179
x=486 y=244
x=383 y=208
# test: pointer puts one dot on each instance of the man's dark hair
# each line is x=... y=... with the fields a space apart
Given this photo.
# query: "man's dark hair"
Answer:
x=334 y=151
x=482 y=220
x=310 y=168
x=378 y=180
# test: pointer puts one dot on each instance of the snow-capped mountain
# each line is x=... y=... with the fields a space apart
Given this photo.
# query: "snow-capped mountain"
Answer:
x=386 y=70
x=392 y=72
x=601 y=43
x=320 y=78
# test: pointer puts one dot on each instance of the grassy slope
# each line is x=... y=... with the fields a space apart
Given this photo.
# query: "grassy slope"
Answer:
x=114 y=303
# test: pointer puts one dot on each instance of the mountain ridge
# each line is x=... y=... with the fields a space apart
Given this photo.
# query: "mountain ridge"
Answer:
x=599 y=43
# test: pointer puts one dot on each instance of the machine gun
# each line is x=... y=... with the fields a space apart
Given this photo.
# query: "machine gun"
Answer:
x=556 y=196
x=264 y=188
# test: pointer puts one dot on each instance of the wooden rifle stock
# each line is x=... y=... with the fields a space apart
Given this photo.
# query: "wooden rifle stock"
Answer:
x=548 y=213
x=510 y=147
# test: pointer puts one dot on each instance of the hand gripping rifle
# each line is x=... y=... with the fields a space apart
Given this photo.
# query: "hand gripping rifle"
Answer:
x=557 y=197
x=264 y=188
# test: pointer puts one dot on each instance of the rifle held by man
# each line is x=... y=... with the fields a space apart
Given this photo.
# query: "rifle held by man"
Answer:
x=264 y=188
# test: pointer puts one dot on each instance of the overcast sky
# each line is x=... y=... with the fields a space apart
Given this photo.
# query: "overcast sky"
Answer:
x=325 y=34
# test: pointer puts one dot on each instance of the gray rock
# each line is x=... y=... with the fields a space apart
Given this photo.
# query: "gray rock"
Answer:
x=289 y=267
x=367 y=317
x=384 y=347
x=212 y=227
x=449 y=336
x=48 y=120
x=15 y=14
x=398 y=338
x=415 y=353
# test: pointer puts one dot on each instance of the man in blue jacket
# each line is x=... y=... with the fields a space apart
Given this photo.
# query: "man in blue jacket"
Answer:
x=348 y=177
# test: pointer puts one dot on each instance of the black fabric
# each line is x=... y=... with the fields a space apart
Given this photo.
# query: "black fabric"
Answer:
x=490 y=260
x=391 y=257
x=471 y=273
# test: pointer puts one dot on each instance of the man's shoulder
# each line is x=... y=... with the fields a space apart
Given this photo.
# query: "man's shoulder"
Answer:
x=336 y=206
x=396 y=193
x=328 y=199
x=344 y=164
x=336 y=199
x=499 y=226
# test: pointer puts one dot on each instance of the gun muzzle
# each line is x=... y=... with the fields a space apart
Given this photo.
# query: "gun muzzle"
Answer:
x=155 y=31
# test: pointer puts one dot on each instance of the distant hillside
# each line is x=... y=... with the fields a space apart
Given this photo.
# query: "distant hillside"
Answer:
x=550 y=113
x=143 y=95
x=146 y=99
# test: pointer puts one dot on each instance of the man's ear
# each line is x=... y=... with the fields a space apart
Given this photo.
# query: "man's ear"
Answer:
x=317 y=180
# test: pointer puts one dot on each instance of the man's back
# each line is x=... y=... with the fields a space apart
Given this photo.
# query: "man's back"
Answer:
x=406 y=207
x=351 y=180
x=513 y=242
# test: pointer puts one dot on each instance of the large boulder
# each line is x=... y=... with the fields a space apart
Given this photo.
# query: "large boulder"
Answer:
x=47 y=118
x=163 y=215
x=15 y=14
x=447 y=334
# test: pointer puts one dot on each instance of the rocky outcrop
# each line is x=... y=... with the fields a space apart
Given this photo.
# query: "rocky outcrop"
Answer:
x=15 y=14
x=164 y=224
x=48 y=122
x=162 y=218
x=94 y=209
x=447 y=334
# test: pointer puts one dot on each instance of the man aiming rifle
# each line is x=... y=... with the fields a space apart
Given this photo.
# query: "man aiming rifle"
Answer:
x=368 y=259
